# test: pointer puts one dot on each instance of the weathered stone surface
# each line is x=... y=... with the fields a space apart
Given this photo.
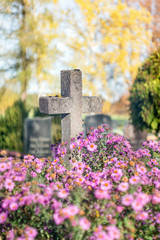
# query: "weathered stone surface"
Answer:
x=91 y=104
x=60 y=105
x=71 y=104
x=55 y=105
x=71 y=86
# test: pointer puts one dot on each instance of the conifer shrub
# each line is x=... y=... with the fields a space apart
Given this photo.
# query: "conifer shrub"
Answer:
x=11 y=127
x=145 y=95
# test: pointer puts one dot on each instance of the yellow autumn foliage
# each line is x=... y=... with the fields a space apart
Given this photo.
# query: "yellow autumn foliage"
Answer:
x=108 y=35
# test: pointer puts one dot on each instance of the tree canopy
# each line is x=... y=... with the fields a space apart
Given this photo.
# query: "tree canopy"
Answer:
x=26 y=49
x=108 y=41
x=153 y=6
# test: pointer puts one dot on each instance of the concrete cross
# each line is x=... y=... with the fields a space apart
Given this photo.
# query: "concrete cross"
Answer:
x=71 y=104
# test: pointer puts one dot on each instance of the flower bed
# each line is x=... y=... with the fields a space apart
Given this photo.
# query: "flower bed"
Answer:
x=114 y=193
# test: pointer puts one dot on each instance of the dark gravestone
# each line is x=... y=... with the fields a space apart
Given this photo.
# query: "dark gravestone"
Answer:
x=37 y=136
x=96 y=120
x=114 y=123
x=135 y=136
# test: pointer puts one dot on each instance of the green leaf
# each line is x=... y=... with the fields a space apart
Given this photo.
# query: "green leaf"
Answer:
x=154 y=124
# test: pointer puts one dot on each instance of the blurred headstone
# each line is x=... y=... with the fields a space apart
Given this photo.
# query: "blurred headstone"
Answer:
x=135 y=136
x=96 y=120
x=114 y=123
x=37 y=136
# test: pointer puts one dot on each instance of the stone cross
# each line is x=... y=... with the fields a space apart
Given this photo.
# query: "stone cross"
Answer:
x=71 y=104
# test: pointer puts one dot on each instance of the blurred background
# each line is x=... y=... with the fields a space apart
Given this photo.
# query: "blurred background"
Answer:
x=107 y=39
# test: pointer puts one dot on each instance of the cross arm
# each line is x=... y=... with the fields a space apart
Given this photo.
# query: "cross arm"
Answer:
x=55 y=105
x=91 y=104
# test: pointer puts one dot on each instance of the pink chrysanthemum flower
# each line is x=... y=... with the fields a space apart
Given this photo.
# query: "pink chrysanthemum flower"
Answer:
x=106 y=185
x=157 y=183
x=123 y=186
x=127 y=199
x=73 y=145
x=134 y=180
x=92 y=147
x=10 y=235
x=158 y=218
x=22 y=238
x=142 y=216
x=84 y=223
x=31 y=232
x=156 y=199
x=101 y=235
x=149 y=174
x=33 y=174
x=137 y=205
x=120 y=208
x=56 y=204
x=101 y=194
x=62 y=151
x=1 y=185
x=116 y=174
x=38 y=169
x=9 y=184
x=80 y=167
x=86 y=141
x=80 y=180
x=154 y=161
x=3 y=167
x=62 y=193
x=57 y=218
x=143 y=198
x=141 y=169
x=80 y=142
x=72 y=210
x=3 y=217
x=113 y=232
x=13 y=206
x=155 y=169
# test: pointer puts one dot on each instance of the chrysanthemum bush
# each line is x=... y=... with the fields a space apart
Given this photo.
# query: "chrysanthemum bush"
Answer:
x=113 y=193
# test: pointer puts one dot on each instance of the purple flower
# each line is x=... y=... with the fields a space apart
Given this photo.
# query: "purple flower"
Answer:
x=10 y=235
x=13 y=206
x=9 y=184
x=127 y=199
x=62 y=193
x=3 y=167
x=31 y=232
x=134 y=180
x=3 y=217
x=113 y=232
x=158 y=218
x=101 y=194
x=57 y=218
x=73 y=145
x=142 y=216
x=123 y=186
x=92 y=147
x=84 y=223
